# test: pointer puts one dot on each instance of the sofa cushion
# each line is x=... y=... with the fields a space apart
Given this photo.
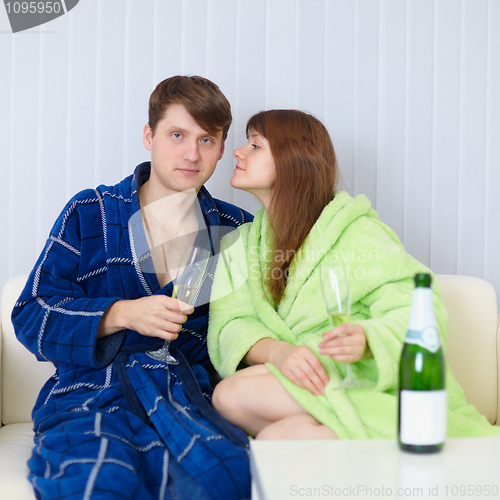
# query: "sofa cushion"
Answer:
x=16 y=442
x=22 y=375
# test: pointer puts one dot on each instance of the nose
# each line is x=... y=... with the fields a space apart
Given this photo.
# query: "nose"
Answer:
x=238 y=153
x=191 y=153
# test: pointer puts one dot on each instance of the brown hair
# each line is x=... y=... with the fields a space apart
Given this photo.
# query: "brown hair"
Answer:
x=203 y=100
x=306 y=178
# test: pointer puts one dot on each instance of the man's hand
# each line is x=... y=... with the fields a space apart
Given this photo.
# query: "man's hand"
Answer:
x=301 y=366
x=345 y=343
x=155 y=316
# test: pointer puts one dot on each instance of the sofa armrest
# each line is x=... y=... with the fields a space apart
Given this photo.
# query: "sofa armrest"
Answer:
x=498 y=363
x=473 y=341
x=20 y=387
x=1 y=342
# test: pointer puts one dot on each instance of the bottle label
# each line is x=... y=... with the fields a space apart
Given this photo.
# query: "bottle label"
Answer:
x=428 y=338
x=422 y=417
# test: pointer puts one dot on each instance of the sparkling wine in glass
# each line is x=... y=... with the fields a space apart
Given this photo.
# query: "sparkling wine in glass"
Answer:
x=189 y=279
x=337 y=298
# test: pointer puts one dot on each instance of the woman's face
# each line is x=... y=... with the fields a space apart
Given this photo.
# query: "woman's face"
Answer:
x=255 y=170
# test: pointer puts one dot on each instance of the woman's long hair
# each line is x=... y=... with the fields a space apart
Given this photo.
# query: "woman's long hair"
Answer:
x=306 y=178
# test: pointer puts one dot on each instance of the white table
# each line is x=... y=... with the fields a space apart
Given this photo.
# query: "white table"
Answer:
x=284 y=470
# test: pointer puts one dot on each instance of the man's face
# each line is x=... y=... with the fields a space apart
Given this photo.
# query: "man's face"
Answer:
x=183 y=155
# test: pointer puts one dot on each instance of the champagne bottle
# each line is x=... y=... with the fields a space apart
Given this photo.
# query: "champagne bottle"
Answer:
x=422 y=392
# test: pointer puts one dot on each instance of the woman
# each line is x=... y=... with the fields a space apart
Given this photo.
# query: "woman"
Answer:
x=269 y=336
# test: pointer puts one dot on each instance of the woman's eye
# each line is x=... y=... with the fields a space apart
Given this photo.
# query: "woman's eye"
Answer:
x=254 y=146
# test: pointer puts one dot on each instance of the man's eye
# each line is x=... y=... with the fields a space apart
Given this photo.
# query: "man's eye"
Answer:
x=206 y=140
x=176 y=135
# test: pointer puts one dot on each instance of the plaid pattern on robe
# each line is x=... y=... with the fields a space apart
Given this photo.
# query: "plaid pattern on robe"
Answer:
x=90 y=442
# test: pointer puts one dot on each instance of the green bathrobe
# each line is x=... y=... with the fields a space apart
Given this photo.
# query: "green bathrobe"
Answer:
x=381 y=280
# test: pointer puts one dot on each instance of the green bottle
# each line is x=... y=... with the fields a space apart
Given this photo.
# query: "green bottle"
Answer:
x=422 y=392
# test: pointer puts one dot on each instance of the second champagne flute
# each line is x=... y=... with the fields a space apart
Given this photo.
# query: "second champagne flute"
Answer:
x=337 y=298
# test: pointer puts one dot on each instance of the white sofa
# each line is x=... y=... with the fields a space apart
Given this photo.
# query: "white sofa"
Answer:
x=473 y=354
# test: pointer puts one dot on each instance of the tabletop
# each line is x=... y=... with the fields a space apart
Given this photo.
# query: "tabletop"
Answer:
x=465 y=468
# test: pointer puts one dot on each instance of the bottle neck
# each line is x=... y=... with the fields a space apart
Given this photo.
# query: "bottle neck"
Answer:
x=422 y=310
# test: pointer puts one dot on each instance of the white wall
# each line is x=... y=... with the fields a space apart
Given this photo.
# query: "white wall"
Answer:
x=409 y=90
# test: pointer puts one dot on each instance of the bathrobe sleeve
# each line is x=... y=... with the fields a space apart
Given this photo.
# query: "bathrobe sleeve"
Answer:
x=55 y=318
x=389 y=308
x=234 y=325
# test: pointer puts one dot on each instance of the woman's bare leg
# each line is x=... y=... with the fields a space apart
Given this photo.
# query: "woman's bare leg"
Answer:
x=253 y=399
x=296 y=427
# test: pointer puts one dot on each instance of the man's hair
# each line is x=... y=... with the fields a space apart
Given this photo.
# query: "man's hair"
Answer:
x=202 y=99
x=306 y=178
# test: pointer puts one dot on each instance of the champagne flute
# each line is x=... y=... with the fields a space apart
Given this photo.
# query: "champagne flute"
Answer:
x=189 y=278
x=337 y=298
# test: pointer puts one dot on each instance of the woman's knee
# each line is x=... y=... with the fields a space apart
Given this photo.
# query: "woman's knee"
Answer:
x=224 y=397
x=232 y=393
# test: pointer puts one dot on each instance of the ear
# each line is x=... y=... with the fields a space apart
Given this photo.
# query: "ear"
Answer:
x=222 y=149
x=147 y=137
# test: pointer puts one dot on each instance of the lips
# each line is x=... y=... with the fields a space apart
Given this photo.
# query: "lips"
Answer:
x=188 y=171
x=239 y=168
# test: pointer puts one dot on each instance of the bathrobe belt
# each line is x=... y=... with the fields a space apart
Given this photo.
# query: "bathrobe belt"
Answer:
x=191 y=388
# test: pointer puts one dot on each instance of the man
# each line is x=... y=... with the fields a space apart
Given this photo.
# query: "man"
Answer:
x=113 y=422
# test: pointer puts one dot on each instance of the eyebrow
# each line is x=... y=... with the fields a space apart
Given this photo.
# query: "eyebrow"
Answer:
x=174 y=128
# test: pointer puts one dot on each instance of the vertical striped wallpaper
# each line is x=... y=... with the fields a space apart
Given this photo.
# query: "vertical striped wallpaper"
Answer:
x=409 y=90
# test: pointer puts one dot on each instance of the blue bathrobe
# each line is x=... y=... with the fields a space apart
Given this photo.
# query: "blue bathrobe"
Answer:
x=113 y=422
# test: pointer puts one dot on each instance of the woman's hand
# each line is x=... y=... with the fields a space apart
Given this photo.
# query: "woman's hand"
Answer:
x=301 y=366
x=154 y=316
x=345 y=343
